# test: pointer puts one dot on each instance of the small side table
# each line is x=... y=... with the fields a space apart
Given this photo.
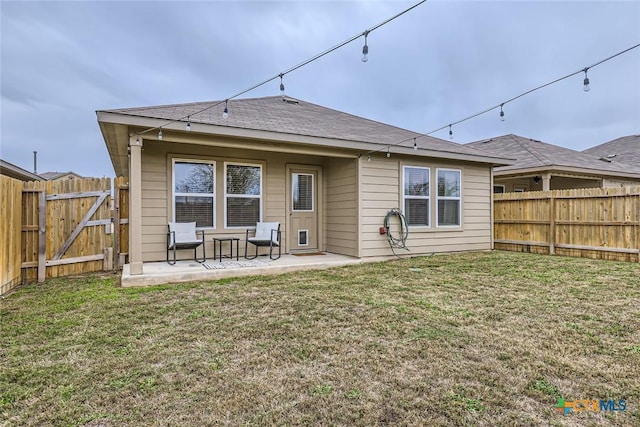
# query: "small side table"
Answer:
x=219 y=240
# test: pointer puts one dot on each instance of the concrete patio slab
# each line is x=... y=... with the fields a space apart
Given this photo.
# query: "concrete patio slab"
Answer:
x=159 y=273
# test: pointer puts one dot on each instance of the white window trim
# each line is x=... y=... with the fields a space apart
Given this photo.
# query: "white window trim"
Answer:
x=427 y=197
x=438 y=198
x=519 y=189
x=174 y=193
x=313 y=195
x=502 y=186
x=239 y=196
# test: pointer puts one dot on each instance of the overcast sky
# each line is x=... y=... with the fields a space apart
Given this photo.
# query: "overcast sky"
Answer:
x=443 y=61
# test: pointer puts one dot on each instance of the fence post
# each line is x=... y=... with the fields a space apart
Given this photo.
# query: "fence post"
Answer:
x=42 y=236
x=552 y=224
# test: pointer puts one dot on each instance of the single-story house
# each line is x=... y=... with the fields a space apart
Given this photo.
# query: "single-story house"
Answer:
x=16 y=172
x=540 y=166
x=328 y=177
x=624 y=151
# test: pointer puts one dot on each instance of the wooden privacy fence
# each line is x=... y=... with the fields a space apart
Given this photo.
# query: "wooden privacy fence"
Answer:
x=60 y=228
x=602 y=223
x=10 y=226
x=66 y=227
x=121 y=221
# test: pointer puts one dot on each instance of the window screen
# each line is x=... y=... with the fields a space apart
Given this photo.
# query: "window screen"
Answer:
x=193 y=195
x=243 y=193
x=449 y=199
x=416 y=195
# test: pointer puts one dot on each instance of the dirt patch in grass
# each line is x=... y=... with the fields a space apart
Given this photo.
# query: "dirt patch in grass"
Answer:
x=466 y=339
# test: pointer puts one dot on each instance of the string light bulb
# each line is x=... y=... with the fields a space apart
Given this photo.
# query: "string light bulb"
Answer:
x=369 y=158
x=137 y=140
x=586 y=87
x=160 y=134
x=415 y=145
x=188 y=126
x=225 y=113
x=450 y=133
x=388 y=152
x=365 y=48
x=501 y=113
x=282 y=87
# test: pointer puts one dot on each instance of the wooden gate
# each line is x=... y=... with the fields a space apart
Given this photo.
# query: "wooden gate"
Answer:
x=66 y=227
x=121 y=222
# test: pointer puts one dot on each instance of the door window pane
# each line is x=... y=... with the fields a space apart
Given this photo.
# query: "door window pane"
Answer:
x=302 y=192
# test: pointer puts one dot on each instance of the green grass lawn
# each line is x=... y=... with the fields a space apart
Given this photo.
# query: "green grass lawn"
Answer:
x=491 y=338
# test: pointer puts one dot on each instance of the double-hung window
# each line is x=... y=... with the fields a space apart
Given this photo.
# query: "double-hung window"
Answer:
x=416 y=195
x=449 y=197
x=243 y=195
x=194 y=192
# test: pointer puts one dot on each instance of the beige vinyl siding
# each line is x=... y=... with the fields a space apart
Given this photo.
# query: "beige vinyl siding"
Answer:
x=341 y=201
x=561 y=183
x=381 y=191
x=557 y=183
x=154 y=204
x=157 y=197
x=610 y=182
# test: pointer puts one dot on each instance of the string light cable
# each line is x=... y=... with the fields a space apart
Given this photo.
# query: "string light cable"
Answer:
x=502 y=104
x=351 y=39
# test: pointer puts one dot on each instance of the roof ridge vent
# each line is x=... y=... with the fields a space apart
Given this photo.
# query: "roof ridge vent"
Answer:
x=291 y=101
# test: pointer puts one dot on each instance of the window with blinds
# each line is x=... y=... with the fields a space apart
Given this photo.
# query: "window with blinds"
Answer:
x=243 y=195
x=194 y=192
x=449 y=197
x=302 y=192
x=416 y=195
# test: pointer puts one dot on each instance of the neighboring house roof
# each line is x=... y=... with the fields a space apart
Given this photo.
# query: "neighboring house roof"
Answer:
x=532 y=155
x=16 y=172
x=52 y=176
x=273 y=119
x=621 y=151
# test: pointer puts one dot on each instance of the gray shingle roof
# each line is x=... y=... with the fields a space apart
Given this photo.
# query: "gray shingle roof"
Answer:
x=51 y=176
x=295 y=117
x=530 y=153
x=620 y=151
